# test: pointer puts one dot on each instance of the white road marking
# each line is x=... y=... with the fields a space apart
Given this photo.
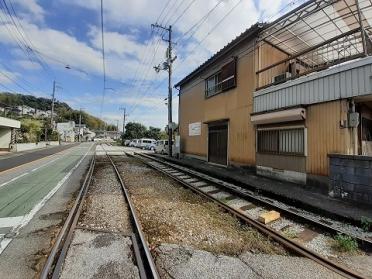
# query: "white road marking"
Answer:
x=8 y=222
x=28 y=172
x=28 y=217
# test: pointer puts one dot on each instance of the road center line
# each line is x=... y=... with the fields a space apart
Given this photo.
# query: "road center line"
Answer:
x=28 y=217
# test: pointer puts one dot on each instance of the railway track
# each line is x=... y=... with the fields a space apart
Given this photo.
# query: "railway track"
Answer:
x=197 y=182
x=141 y=253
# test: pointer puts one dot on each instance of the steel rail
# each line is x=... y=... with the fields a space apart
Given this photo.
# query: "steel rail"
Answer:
x=363 y=242
x=64 y=234
x=146 y=257
x=56 y=258
x=292 y=245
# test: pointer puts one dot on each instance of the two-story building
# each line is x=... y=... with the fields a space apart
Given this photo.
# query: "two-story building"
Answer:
x=283 y=96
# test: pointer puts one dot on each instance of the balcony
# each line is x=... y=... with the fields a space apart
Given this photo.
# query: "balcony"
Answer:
x=346 y=80
x=315 y=53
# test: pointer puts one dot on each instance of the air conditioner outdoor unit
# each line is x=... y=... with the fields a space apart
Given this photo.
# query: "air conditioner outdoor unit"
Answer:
x=281 y=78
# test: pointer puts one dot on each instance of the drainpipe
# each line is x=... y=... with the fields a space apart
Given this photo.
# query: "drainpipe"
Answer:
x=354 y=130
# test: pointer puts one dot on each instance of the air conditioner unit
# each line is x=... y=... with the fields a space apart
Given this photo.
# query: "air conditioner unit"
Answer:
x=281 y=78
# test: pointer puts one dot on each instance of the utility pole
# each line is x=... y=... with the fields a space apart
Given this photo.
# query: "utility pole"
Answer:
x=80 y=126
x=167 y=66
x=52 y=112
x=124 y=118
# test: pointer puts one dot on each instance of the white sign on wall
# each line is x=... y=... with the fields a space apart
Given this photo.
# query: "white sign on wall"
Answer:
x=195 y=129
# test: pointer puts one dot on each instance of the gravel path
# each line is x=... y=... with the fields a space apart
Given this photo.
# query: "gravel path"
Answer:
x=104 y=207
x=102 y=245
x=99 y=255
x=171 y=214
x=174 y=261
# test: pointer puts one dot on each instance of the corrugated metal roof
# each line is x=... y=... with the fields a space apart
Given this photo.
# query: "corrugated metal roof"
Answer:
x=249 y=33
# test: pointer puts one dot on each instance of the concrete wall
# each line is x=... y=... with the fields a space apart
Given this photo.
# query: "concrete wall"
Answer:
x=30 y=146
x=27 y=146
x=5 y=137
x=351 y=177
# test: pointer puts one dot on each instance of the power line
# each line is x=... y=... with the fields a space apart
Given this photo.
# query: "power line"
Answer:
x=200 y=22
x=15 y=82
x=162 y=11
x=31 y=46
x=28 y=84
x=184 y=12
x=208 y=34
x=24 y=40
x=103 y=60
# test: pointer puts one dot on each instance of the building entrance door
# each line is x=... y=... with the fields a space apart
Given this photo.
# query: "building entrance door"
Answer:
x=217 y=143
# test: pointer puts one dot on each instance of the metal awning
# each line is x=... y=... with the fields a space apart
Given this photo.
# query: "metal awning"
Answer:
x=322 y=32
x=279 y=116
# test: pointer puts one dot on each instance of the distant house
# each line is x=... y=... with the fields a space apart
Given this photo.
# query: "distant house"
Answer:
x=7 y=132
x=66 y=131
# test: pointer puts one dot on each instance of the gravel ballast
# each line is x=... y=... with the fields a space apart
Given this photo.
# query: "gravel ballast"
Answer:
x=102 y=244
x=176 y=261
x=99 y=255
x=104 y=207
x=171 y=214
x=191 y=237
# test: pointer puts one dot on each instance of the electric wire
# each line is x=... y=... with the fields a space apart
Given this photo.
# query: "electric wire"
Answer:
x=103 y=61
x=24 y=42
x=31 y=45
x=183 y=12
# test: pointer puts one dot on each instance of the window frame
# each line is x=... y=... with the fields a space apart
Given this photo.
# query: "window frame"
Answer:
x=279 y=152
x=220 y=83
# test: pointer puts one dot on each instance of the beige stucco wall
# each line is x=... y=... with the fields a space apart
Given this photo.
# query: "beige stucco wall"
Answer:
x=235 y=105
x=5 y=137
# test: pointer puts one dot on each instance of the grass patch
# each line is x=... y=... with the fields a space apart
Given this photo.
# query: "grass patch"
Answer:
x=345 y=243
x=290 y=234
x=366 y=224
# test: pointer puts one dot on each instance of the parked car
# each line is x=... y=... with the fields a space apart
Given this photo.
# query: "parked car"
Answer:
x=162 y=146
x=134 y=143
x=145 y=142
x=127 y=142
x=151 y=146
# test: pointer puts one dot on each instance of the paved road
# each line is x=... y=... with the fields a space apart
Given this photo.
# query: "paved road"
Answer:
x=25 y=193
x=9 y=162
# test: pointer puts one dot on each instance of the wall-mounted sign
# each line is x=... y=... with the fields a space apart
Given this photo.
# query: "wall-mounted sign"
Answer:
x=195 y=129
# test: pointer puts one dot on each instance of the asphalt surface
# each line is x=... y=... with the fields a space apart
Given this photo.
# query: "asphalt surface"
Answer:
x=10 y=162
x=34 y=200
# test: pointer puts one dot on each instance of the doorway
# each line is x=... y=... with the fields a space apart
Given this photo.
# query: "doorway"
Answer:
x=217 y=143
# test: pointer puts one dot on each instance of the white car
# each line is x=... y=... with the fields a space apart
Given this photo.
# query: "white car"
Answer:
x=134 y=143
x=143 y=143
x=162 y=147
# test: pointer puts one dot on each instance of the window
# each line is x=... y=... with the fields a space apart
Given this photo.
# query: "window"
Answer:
x=281 y=141
x=213 y=85
x=224 y=80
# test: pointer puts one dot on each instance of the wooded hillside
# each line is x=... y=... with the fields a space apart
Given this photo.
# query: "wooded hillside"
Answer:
x=63 y=110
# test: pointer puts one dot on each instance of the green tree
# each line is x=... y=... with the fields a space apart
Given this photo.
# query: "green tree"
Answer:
x=31 y=130
x=134 y=130
x=153 y=133
x=111 y=128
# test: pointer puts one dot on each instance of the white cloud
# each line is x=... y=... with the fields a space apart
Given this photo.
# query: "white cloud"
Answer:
x=27 y=64
x=30 y=9
x=7 y=77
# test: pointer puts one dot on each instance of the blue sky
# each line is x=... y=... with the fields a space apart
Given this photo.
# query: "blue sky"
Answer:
x=67 y=33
